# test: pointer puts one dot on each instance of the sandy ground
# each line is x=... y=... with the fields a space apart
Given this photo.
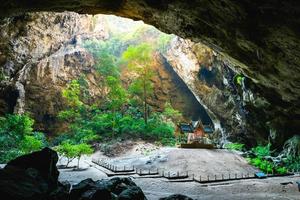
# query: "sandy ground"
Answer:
x=247 y=189
x=199 y=161
x=194 y=161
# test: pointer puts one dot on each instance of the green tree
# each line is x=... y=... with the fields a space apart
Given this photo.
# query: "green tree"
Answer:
x=77 y=114
x=107 y=64
x=171 y=113
x=117 y=97
x=82 y=149
x=72 y=151
x=66 y=150
x=139 y=61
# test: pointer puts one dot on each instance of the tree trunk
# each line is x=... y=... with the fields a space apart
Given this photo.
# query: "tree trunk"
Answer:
x=113 y=123
x=68 y=162
x=78 y=162
x=145 y=103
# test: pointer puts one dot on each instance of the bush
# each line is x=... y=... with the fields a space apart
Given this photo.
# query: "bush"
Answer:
x=267 y=166
x=17 y=138
x=235 y=146
x=30 y=144
x=263 y=165
x=281 y=170
x=262 y=151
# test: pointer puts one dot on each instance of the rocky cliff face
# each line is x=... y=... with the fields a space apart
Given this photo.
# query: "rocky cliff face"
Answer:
x=40 y=54
x=241 y=110
x=211 y=79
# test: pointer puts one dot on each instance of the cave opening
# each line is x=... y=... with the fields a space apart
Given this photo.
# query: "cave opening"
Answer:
x=84 y=83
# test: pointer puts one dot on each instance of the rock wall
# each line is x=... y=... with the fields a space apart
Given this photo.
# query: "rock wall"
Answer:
x=49 y=53
x=211 y=80
x=40 y=54
x=241 y=111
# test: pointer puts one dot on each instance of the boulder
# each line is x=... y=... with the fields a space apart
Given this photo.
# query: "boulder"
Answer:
x=81 y=188
x=132 y=193
x=44 y=162
x=19 y=184
x=176 y=197
x=120 y=188
x=32 y=176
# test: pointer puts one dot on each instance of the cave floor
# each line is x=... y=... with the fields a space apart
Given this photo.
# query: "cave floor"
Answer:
x=198 y=161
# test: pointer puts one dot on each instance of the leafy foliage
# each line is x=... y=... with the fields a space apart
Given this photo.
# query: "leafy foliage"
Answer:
x=262 y=151
x=72 y=151
x=267 y=166
x=117 y=95
x=260 y=160
x=235 y=146
x=66 y=150
x=139 y=61
x=82 y=149
x=17 y=137
x=32 y=143
x=124 y=111
x=171 y=113
x=71 y=94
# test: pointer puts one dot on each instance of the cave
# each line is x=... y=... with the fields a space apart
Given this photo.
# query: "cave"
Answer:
x=217 y=88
